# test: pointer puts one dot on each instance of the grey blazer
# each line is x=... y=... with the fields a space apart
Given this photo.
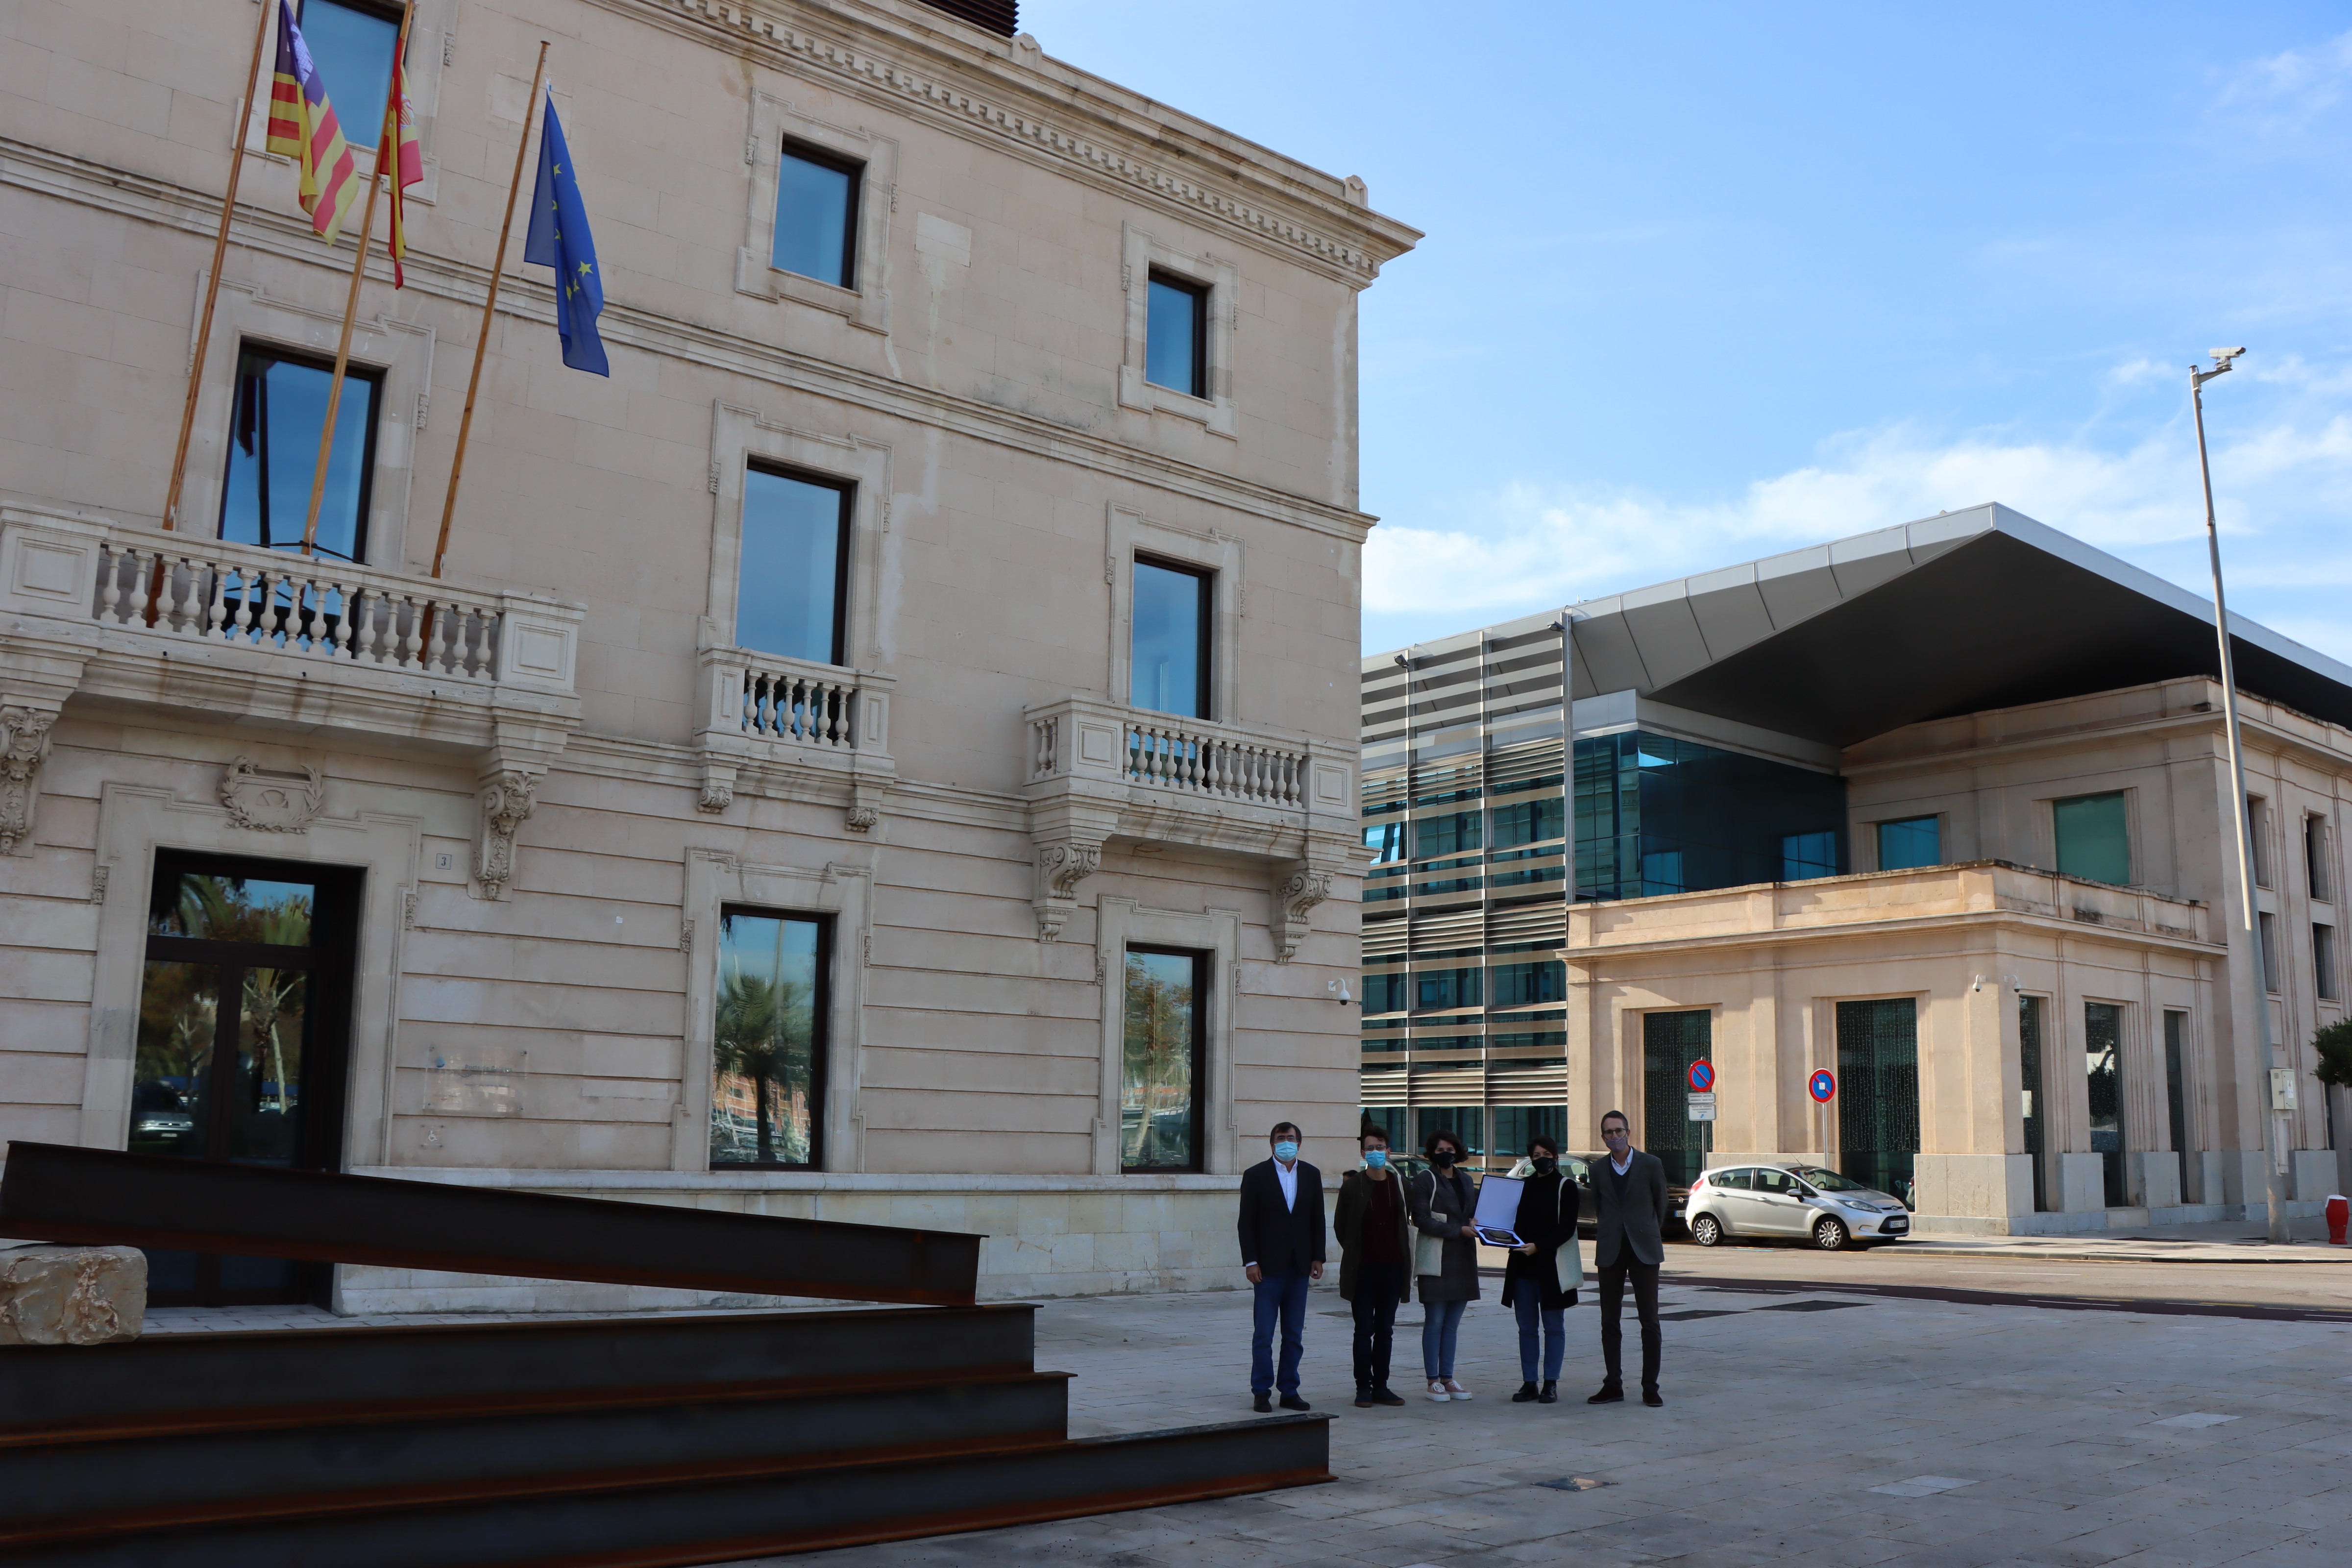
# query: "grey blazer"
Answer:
x=1636 y=1225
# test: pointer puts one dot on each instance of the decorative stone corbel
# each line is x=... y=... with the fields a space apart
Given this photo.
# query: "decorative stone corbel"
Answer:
x=506 y=798
x=718 y=785
x=1294 y=895
x=865 y=809
x=23 y=747
x=1061 y=867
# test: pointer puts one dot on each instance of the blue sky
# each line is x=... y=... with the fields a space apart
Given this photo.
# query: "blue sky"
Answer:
x=1705 y=282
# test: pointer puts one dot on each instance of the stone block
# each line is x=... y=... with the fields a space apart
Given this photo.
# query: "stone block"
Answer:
x=71 y=1295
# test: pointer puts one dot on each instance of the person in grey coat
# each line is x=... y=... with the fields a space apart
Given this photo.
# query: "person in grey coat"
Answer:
x=1629 y=1193
x=1445 y=1258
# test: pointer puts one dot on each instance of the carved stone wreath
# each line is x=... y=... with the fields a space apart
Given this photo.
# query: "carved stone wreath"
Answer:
x=269 y=801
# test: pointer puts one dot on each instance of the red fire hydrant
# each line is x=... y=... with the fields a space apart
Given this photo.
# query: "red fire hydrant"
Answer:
x=2339 y=1211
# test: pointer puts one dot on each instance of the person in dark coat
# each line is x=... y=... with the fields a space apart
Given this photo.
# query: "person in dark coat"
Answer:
x=1282 y=1250
x=1541 y=1277
x=1629 y=1192
x=1445 y=1258
x=1372 y=1221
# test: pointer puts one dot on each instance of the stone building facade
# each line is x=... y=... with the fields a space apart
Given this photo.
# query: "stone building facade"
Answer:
x=1943 y=810
x=932 y=636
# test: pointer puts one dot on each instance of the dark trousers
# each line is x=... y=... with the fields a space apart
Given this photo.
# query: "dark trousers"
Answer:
x=1526 y=1300
x=1645 y=1306
x=1377 y=1288
x=1284 y=1295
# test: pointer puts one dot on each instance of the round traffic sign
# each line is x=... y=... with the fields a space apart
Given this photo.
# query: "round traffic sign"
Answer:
x=1702 y=1075
x=1824 y=1085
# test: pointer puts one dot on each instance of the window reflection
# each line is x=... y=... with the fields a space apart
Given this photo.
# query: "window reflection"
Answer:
x=280 y=411
x=816 y=202
x=1170 y=664
x=1176 y=338
x=788 y=592
x=766 y=1096
x=1159 y=1062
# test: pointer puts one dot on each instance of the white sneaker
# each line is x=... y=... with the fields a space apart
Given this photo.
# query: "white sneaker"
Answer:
x=1437 y=1393
x=1455 y=1391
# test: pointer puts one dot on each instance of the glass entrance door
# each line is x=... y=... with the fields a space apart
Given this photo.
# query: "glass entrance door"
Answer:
x=1878 y=1093
x=1671 y=1042
x=243 y=1029
x=2102 y=1050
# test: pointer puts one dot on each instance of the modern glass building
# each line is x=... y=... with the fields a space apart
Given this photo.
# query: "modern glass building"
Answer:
x=1492 y=801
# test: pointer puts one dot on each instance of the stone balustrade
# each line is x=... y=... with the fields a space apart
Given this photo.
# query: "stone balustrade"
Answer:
x=794 y=726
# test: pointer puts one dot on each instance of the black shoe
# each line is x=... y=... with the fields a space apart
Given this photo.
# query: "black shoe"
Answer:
x=1263 y=1404
x=1385 y=1394
x=1651 y=1397
x=1610 y=1395
x=1550 y=1394
x=1525 y=1395
x=1292 y=1402
x=1363 y=1399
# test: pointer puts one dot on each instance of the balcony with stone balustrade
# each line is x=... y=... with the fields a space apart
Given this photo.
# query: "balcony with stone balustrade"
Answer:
x=1102 y=773
x=143 y=625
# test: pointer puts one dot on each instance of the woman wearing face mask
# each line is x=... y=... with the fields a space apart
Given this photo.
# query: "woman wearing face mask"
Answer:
x=1375 y=1263
x=1541 y=1278
x=1446 y=1258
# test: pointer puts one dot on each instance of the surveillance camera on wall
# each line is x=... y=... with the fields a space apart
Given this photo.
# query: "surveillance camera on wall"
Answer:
x=2227 y=353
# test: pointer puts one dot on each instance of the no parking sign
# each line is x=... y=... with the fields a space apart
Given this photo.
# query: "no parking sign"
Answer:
x=1824 y=1085
x=1702 y=1075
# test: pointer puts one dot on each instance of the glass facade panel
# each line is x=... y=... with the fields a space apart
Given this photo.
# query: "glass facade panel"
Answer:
x=1878 y=1093
x=1670 y=1043
x=1529 y=822
x=1467 y=1123
x=2034 y=1108
x=275 y=422
x=1520 y=984
x=1442 y=990
x=816 y=218
x=1169 y=668
x=767 y=1093
x=1386 y=842
x=1176 y=338
x=351 y=44
x=1656 y=815
x=1161 y=1069
x=788 y=592
x=1912 y=842
x=2094 y=840
x=1515 y=1124
x=1387 y=1120
x=1454 y=833
x=2102 y=1067
x=1385 y=992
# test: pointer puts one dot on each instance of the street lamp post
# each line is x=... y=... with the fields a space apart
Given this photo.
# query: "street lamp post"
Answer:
x=2273 y=1118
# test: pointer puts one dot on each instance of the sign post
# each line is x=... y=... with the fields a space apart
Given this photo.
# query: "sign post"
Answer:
x=1822 y=1087
x=1699 y=1105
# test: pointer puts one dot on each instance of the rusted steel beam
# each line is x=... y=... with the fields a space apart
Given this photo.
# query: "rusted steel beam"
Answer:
x=52 y=1192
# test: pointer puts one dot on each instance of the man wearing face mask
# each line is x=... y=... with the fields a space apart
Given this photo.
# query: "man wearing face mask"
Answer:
x=1629 y=1197
x=1375 y=1255
x=1282 y=1252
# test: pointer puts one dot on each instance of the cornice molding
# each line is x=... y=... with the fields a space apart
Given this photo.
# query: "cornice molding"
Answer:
x=1355 y=259
x=264 y=231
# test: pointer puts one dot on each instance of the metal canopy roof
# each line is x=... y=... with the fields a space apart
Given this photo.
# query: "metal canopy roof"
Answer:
x=1976 y=609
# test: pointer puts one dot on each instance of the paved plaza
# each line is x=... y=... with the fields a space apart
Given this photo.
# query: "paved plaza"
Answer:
x=1805 y=1424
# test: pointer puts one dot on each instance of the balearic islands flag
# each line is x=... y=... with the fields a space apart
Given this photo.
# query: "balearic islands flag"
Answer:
x=408 y=161
x=302 y=126
x=559 y=237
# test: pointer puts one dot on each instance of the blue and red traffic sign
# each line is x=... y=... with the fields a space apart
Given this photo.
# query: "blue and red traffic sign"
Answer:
x=1823 y=1086
x=1702 y=1075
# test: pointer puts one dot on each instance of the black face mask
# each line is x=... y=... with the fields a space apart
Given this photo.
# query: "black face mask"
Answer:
x=1546 y=1164
x=1440 y=1158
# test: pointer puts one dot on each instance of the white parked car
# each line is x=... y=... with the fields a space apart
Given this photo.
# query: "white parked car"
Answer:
x=1794 y=1202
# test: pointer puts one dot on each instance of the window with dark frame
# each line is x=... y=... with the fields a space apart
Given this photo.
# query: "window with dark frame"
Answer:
x=2323 y=961
x=276 y=418
x=816 y=214
x=2093 y=837
x=1163 y=1059
x=769 y=1037
x=792 y=578
x=1169 y=651
x=2266 y=927
x=351 y=41
x=2315 y=860
x=2258 y=826
x=1176 y=335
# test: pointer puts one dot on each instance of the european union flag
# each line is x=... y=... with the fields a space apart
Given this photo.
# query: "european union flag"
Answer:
x=559 y=237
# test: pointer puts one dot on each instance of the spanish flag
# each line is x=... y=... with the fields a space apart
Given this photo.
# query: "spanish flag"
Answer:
x=399 y=151
x=302 y=126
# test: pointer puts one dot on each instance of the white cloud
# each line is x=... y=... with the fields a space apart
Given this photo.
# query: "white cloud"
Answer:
x=1535 y=547
x=2288 y=89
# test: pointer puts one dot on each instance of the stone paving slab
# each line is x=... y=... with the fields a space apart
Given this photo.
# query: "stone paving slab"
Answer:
x=1779 y=1425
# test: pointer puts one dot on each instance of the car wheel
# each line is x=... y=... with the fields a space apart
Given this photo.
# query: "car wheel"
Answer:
x=1830 y=1236
x=1705 y=1231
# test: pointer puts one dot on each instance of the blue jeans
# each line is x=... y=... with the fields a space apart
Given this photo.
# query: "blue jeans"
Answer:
x=1528 y=1302
x=1441 y=1325
x=1285 y=1294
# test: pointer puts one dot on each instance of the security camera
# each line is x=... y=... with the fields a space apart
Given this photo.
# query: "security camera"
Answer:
x=2226 y=353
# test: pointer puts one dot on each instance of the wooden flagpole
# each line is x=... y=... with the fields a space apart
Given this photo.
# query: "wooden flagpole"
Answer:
x=482 y=340
x=387 y=135
x=212 y=281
